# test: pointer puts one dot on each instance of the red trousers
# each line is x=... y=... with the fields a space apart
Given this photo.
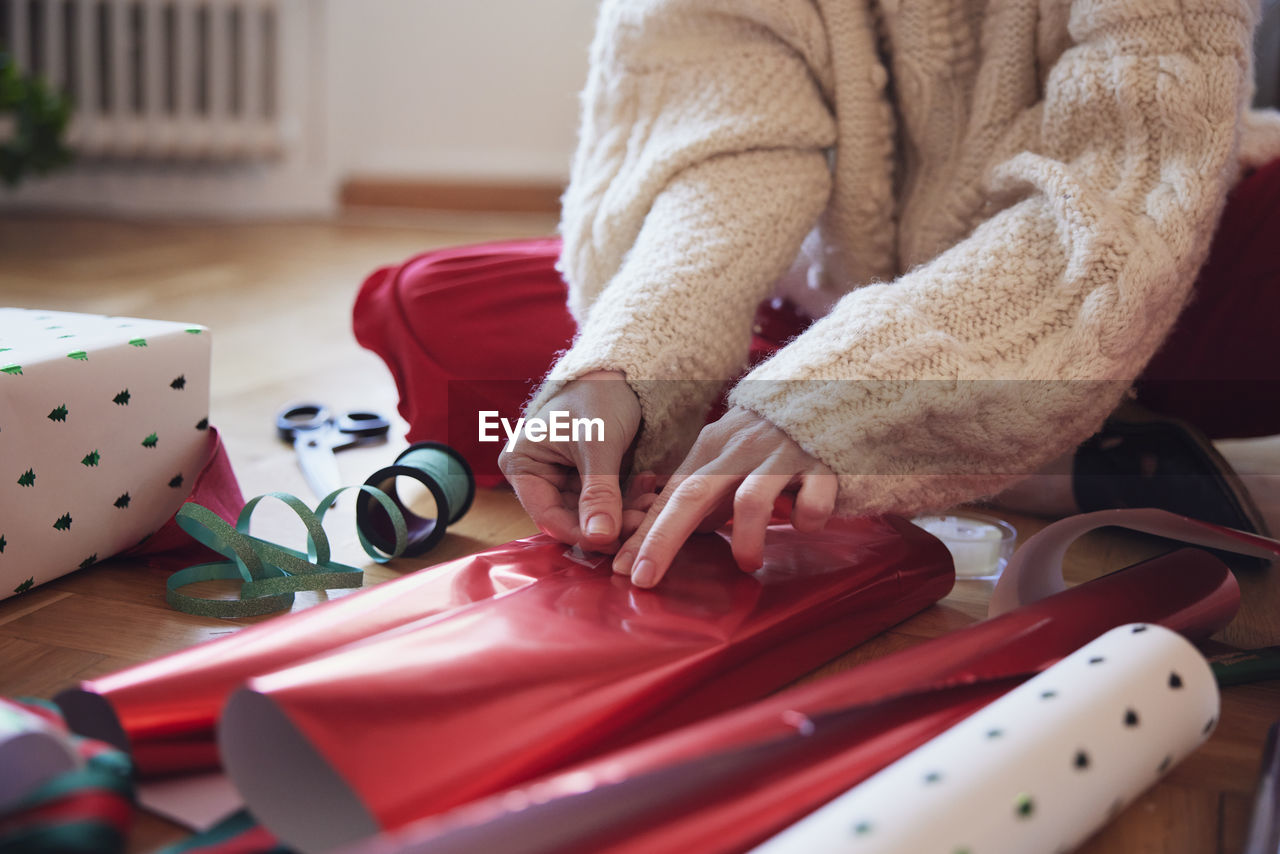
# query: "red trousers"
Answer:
x=476 y=327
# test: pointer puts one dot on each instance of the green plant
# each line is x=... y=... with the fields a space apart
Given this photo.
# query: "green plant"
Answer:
x=33 y=124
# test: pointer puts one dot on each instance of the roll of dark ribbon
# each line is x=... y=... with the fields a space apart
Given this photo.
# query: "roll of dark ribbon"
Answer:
x=445 y=475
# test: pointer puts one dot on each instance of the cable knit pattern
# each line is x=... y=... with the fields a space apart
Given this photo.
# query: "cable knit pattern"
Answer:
x=1012 y=200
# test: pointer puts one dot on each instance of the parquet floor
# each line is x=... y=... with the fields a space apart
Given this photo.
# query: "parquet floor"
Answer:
x=277 y=298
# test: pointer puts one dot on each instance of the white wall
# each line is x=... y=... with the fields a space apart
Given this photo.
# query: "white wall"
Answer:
x=449 y=89
x=456 y=88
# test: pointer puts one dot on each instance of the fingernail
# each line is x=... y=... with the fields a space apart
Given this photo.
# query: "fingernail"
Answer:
x=622 y=563
x=644 y=574
x=599 y=525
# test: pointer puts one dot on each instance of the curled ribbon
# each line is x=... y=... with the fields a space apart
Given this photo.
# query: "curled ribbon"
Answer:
x=272 y=573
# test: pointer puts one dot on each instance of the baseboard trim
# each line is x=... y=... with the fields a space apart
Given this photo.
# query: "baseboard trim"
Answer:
x=475 y=196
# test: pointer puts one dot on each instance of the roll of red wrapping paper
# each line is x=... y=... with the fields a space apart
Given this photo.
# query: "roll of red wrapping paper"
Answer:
x=165 y=710
x=763 y=766
x=434 y=714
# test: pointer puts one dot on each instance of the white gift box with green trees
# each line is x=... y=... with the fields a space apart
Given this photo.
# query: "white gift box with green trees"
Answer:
x=103 y=432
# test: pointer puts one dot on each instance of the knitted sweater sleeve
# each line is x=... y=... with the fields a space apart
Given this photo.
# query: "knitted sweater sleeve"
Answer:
x=701 y=165
x=1010 y=348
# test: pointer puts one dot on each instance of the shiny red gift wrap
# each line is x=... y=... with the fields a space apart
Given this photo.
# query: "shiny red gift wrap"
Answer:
x=882 y=711
x=439 y=712
x=164 y=711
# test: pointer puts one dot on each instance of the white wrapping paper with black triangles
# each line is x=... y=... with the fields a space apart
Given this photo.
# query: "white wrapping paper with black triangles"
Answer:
x=103 y=430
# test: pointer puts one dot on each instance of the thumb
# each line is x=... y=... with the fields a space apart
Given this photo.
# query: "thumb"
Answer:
x=600 y=501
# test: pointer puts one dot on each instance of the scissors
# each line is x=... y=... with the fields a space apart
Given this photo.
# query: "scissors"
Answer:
x=316 y=434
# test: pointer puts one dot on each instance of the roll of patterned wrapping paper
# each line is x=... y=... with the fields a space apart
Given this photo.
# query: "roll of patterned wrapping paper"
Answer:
x=1038 y=770
x=32 y=752
x=727 y=783
x=739 y=635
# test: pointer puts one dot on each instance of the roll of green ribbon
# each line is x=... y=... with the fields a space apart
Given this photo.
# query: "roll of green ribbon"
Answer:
x=271 y=573
x=445 y=475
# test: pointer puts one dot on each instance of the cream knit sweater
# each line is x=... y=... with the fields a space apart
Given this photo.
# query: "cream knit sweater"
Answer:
x=1008 y=200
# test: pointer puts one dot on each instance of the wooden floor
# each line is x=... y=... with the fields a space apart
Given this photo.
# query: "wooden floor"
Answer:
x=277 y=298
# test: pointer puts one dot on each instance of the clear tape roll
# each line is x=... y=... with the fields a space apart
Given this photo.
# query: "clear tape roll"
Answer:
x=980 y=545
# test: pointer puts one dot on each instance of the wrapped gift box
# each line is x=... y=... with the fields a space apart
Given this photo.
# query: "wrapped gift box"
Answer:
x=103 y=430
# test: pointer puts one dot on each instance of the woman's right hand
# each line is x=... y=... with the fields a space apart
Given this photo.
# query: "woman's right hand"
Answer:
x=571 y=489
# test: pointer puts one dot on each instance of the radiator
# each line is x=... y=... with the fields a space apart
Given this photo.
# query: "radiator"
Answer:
x=160 y=79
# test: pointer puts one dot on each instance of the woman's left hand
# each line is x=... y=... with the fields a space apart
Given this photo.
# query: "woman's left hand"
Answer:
x=739 y=466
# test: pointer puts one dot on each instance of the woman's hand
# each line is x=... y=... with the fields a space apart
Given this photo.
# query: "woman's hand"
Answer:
x=571 y=489
x=740 y=464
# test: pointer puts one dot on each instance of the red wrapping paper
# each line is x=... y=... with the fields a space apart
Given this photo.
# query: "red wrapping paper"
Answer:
x=165 y=711
x=215 y=488
x=437 y=713
x=889 y=707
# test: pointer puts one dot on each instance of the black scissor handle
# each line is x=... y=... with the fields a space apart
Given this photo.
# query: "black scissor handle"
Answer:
x=363 y=425
x=301 y=416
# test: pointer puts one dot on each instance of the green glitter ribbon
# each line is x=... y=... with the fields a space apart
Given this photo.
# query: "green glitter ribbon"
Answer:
x=443 y=472
x=272 y=573
x=1246 y=666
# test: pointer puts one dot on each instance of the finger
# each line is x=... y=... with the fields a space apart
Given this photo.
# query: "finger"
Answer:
x=640 y=502
x=815 y=502
x=541 y=499
x=752 y=510
x=644 y=483
x=679 y=510
x=625 y=559
x=600 y=500
x=639 y=516
x=631 y=521
x=608 y=548
x=633 y=513
x=722 y=513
